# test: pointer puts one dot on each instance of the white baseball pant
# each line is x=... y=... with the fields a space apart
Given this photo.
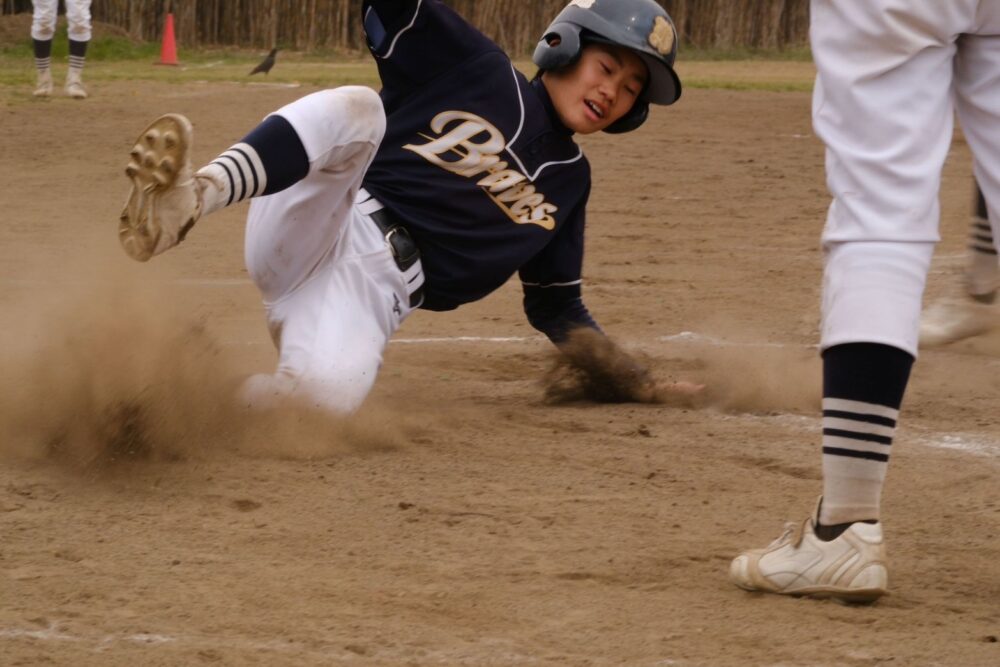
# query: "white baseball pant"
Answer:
x=333 y=292
x=890 y=76
x=43 y=22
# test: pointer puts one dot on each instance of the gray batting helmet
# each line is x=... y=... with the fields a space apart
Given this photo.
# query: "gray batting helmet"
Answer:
x=640 y=25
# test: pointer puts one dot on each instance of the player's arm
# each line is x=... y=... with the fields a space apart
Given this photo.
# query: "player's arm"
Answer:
x=554 y=305
x=414 y=41
x=553 y=299
x=556 y=309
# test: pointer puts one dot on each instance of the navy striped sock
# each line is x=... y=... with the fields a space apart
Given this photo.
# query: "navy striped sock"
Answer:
x=863 y=386
x=43 y=53
x=268 y=160
x=77 y=54
x=281 y=152
x=981 y=273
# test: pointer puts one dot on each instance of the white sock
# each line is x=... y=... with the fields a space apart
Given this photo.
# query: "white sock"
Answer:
x=857 y=437
x=235 y=175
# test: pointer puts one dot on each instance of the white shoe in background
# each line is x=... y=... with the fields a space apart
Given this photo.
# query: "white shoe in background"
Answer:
x=43 y=85
x=74 y=85
x=951 y=320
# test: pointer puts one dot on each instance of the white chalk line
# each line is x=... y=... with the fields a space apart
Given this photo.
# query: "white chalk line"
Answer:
x=976 y=444
x=496 y=649
x=185 y=282
x=470 y=339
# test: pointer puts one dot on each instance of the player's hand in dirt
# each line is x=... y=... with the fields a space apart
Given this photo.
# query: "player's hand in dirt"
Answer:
x=592 y=367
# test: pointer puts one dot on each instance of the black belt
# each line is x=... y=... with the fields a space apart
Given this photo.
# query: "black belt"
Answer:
x=404 y=249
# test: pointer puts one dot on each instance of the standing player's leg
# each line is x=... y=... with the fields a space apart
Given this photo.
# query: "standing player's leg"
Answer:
x=883 y=89
x=977 y=86
x=78 y=18
x=954 y=319
x=43 y=29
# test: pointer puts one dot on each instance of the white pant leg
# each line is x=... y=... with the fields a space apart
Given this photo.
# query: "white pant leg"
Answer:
x=977 y=88
x=883 y=105
x=43 y=19
x=331 y=331
x=289 y=234
x=333 y=292
x=78 y=20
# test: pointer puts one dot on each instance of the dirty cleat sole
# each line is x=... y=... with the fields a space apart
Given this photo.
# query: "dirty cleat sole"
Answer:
x=162 y=205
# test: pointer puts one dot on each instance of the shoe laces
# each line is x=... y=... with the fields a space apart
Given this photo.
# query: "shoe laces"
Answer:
x=792 y=534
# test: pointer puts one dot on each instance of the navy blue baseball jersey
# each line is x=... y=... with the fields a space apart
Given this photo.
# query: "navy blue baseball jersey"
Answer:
x=477 y=165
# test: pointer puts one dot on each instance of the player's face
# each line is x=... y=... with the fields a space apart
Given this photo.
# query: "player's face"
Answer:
x=598 y=89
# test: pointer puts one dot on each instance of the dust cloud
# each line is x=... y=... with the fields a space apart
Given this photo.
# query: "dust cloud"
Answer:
x=761 y=379
x=111 y=369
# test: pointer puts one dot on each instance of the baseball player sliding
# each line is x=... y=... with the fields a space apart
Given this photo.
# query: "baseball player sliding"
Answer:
x=43 y=29
x=428 y=195
x=891 y=75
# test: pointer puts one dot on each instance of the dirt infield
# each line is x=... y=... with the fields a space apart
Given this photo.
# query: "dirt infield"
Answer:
x=459 y=519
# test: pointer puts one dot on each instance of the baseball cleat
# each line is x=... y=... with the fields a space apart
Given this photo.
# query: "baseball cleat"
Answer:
x=74 y=86
x=851 y=568
x=165 y=200
x=43 y=85
x=952 y=320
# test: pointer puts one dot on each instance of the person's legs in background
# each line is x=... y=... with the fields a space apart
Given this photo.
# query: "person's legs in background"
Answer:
x=79 y=30
x=43 y=29
x=883 y=107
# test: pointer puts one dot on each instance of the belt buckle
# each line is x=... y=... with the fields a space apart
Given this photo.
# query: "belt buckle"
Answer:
x=402 y=262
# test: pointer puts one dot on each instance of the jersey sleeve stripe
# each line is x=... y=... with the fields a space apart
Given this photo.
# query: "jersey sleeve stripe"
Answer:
x=399 y=34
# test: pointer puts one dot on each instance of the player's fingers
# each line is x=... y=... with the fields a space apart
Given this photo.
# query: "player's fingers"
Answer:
x=683 y=388
x=684 y=394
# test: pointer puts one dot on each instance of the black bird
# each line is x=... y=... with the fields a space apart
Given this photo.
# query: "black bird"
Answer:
x=266 y=64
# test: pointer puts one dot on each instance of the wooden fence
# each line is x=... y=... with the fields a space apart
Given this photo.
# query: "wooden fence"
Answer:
x=515 y=24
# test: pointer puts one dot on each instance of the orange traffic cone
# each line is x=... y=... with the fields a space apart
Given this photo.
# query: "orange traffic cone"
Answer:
x=168 y=52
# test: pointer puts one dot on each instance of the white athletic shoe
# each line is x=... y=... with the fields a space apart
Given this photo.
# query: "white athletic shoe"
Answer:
x=951 y=320
x=165 y=200
x=850 y=568
x=43 y=84
x=74 y=85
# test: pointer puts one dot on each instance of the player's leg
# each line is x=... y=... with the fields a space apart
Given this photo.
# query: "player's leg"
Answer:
x=332 y=329
x=883 y=107
x=43 y=29
x=953 y=319
x=293 y=232
x=79 y=30
x=334 y=294
x=982 y=276
x=977 y=87
x=168 y=196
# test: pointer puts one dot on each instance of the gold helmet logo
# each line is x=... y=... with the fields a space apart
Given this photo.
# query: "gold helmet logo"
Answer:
x=662 y=36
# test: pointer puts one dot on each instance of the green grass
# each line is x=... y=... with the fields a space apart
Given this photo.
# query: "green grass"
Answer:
x=796 y=54
x=99 y=49
x=120 y=59
x=769 y=86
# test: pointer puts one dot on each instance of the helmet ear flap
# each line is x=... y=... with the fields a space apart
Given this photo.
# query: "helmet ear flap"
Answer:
x=558 y=47
x=635 y=117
